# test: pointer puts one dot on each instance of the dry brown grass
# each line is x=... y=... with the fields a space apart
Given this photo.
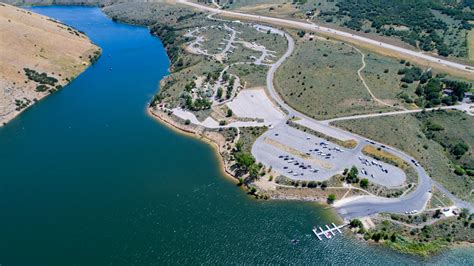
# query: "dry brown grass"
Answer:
x=348 y=144
x=385 y=156
x=29 y=40
x=298 y=153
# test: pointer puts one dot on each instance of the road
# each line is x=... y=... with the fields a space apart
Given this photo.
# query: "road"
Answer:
x=363 y=205
x=462 y=107
x=316 y=28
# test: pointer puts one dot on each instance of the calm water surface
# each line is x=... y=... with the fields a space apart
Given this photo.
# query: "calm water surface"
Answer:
x=87 y=178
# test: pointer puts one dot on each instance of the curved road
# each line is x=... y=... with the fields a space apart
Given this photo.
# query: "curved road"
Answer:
x=316 y=28
x=364 y=205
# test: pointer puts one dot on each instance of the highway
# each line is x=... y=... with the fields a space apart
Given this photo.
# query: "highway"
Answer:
x=316 y=28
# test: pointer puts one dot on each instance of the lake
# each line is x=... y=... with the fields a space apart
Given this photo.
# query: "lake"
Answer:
x=88 y=178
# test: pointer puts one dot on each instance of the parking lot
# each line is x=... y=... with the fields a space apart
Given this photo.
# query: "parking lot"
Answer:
x=301 y=156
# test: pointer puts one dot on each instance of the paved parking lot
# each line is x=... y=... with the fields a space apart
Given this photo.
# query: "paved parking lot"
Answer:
x=255 y=104
x=302 y=156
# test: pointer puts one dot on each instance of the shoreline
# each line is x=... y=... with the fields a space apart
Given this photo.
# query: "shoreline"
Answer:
x=181 y=130
x=46 y=35
x=188 y=133
x=199 y=133
x=13 y=115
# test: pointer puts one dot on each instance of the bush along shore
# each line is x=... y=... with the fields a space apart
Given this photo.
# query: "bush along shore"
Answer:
x=422 y=234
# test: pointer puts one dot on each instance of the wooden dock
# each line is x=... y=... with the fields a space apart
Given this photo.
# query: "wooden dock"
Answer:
x=329 y=232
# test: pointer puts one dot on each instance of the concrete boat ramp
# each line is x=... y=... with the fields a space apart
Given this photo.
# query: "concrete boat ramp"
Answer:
x=329 y=232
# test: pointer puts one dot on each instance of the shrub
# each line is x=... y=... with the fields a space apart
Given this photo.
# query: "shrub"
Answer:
x=41 y=88
x=42 y=78
x=459 y=149
x=331 y=198
x=459 y=170
x=352 y=175
x=364 y=183
x=244 y=159
x=356 y=223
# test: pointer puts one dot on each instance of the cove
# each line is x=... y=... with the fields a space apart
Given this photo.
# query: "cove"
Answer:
x=88 y=178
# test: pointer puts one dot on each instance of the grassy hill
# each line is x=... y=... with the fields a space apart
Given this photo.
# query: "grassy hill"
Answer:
x=441 y=141
x=38 y=56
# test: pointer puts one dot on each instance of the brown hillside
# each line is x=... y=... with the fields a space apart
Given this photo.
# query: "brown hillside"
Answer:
x=43 y=45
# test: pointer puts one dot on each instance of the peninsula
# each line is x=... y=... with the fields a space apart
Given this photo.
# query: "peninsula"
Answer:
x=38 y=56
x=270 y=99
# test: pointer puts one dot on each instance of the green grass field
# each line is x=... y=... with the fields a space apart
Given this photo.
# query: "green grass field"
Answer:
x=250 y=75
x=380 y=74
x=213 y=36
x=273 y=42
x=248 y=135
x=407 y=133
x=242 y=54
x=470 y=41
x=320 y=79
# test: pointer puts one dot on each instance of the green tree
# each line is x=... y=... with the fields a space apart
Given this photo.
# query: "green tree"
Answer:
x=356 y=223
x=459 y=149
x=253 y=170
x=393 y=237
x=229 y=112
x=324 y=185
x=345 y=171
x=364 y=183
x=464 y=213
x=239 y=145
x=376 y=237
x=253 y=190
x=331 y=198
x=219 y=93
x=244 y=159
x=352 y=175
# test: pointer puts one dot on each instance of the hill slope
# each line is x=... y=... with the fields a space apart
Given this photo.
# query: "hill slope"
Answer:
x=38 y=56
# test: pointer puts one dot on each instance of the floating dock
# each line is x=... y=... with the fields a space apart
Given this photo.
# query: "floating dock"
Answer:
x=329 y=232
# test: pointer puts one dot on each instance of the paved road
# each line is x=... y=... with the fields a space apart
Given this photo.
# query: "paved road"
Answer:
x=316 y=28
x=364 y=205
x=285 y=140
x=462 y=107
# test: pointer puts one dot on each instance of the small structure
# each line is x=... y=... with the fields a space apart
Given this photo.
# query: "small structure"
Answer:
x=329 y=232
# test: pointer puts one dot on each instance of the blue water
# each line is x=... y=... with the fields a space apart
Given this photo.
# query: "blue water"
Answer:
x=87 y=178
